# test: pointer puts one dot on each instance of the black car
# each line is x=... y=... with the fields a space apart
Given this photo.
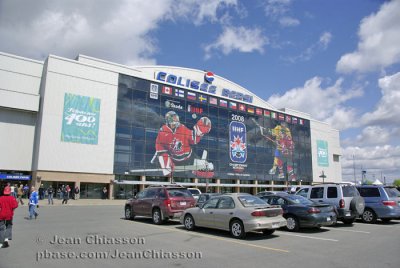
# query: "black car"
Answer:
x=301 y=212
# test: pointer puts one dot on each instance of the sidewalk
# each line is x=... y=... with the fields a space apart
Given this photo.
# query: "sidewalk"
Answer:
x=80 y=202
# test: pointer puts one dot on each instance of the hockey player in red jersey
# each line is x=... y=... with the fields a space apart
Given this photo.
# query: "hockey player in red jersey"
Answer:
x=173 y=146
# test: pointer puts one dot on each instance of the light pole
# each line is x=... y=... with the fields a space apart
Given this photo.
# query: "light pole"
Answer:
x=323 y=176
x=363 y=174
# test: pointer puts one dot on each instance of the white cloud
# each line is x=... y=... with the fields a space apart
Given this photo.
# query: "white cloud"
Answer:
x=119 y=31
x=321 y=45
x=376 y=160
x=238 y=38
x=276 y=8
x=325 y=104
x=387 y=110
x=379 y=41
x=288 y=22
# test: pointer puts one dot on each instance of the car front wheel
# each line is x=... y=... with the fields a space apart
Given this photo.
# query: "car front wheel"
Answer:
x=188 y=221
x=129 y=214
x=237 y=229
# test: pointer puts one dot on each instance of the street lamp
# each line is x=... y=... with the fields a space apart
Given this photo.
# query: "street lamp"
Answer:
x=323 y=176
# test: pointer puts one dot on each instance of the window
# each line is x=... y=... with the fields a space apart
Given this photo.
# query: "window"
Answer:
x=226 y=203
x=369 y=192
x=336 y=158
x=317 y=192
x=212 y=203
x=332 y=192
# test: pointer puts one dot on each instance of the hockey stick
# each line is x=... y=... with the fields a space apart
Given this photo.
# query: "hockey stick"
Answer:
x=262 y=133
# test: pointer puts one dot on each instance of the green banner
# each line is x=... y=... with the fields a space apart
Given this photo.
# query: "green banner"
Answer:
x=322 y=153
x=80 y=119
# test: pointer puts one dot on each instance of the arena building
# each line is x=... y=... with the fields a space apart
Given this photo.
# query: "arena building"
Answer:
x=94 y=124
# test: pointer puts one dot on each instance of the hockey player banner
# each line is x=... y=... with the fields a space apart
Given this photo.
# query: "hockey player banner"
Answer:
x=237 y=141
x=80 y=119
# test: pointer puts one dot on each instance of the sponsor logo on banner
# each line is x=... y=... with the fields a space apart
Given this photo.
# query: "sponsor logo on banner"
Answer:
x=238 y=142
x=194 y=110
x=154 y=96
x=154 y=88
x=173 y=104
x=167 y=90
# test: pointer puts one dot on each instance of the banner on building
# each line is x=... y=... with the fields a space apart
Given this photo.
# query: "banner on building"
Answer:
x=322 y=153
x=80 y=119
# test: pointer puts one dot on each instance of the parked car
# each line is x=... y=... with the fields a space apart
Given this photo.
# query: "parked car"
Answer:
x=349 y=204
x=265 y=193
x=195 y=192
x=381 y=202
x=237 y=213
x=160 y=203
x=301 y=212
x=204 y=197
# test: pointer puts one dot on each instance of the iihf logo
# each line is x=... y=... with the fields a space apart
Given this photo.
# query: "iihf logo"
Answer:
x=209 y=77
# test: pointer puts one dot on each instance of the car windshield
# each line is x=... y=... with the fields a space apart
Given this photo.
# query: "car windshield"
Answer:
x=251 y=201
x=298 y=199
x=179 y=193
x=350 y=191
x=392 y=192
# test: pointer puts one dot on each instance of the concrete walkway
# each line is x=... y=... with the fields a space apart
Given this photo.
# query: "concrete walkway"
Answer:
x=80 y=202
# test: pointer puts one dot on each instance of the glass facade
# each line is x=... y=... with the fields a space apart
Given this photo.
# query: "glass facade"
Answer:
x=164 y=131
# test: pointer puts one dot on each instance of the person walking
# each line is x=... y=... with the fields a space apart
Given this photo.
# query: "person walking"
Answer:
x=8 y=204
x=104 y=194
x=20 y=193
x=33 y=203
x=50 y=192
x=65 y=195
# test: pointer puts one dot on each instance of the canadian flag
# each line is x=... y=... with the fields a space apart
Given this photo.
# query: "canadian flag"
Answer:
x=167 y=90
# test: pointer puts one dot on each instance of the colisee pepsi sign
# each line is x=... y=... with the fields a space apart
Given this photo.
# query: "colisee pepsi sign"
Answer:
x=205 y=86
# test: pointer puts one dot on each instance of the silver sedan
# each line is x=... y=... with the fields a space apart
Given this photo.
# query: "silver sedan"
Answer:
x=237 y=213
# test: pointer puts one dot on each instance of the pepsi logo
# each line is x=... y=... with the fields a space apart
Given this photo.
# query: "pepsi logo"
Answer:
x=209 y=77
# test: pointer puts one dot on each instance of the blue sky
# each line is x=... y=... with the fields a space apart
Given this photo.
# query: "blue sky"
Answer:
x=337 y=60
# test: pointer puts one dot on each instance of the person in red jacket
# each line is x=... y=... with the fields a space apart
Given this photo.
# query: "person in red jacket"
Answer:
x=7 y=205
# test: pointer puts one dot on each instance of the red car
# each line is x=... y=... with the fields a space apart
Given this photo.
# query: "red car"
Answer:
x=161 y=203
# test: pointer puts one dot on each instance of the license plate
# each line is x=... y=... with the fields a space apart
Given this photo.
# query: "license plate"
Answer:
x=348 y=214
x=275 y=225
x=183 y=203
x=328 y=219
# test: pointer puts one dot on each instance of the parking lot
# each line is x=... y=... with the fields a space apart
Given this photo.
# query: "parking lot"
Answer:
x=98 y=236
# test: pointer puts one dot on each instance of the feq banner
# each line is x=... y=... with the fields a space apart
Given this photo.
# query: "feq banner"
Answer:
x=322 y=153
x=80 y=119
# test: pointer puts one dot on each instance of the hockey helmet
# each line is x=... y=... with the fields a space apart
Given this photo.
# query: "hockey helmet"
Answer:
x=172 y=119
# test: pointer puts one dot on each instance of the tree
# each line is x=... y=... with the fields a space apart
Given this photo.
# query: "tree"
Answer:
x=396 y=183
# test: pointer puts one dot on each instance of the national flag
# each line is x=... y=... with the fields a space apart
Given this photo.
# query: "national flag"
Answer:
x=242 y=107
x=281 y=117
x=259 y=111
x=191 y=95
x=223 y=103
x=250 y=110
x=202 y=98
x=179 y=93
x=301 y=121
x=232 y=105
x=288 y=119
x=294 y=120
x=213 y=100
x=267 y=113
x=273 y=115
x=167 y=90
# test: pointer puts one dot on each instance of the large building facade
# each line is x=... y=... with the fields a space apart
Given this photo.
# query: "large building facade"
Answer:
x=95 y=124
